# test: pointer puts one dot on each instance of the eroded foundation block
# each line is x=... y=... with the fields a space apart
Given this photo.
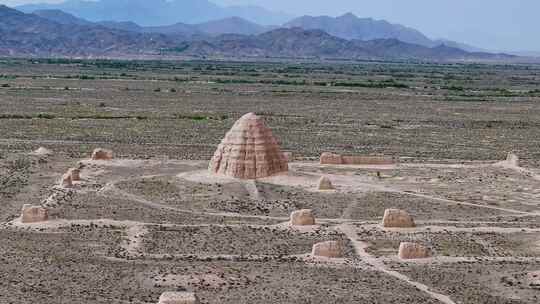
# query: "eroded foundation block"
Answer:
x=331 y=159
x=410 y=251
x=325 y=184
x=330 y=249
x=34 y=214
x=303 y=217
x=368 y=160
x=336 y=159
x=102 y=154
x=75 y=174
x=178 y=298
x=395 y=218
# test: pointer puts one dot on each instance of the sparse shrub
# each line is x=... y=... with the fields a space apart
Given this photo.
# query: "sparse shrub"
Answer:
x=45 y=116
x=454 y=88
x=86 y=77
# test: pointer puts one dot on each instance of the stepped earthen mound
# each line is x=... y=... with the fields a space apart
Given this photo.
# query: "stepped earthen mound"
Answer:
x=411 y=251
x=102 y=154
x=34 y=214
x=248 y=151
x=325 y=184
x=303 y=217
x=330 y=249
x=395 y=218
x=178 y=298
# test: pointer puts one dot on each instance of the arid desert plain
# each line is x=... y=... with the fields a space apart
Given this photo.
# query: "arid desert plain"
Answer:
x=149 y=182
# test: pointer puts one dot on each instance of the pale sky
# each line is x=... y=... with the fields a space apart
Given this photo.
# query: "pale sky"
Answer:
x=491 y=24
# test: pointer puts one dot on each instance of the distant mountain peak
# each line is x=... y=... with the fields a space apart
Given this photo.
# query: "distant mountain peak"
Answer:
x=348 y=15
x=60 y=17
x=349 y=26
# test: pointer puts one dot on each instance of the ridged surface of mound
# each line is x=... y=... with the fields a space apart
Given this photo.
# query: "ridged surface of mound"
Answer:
x=248 y=151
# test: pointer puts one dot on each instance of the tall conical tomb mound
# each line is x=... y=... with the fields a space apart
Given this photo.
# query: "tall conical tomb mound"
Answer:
x=248 y=151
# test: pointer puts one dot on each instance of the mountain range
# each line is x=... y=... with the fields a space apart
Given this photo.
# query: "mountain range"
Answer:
x=229 y=25
x=56 y=33
x=180 y=16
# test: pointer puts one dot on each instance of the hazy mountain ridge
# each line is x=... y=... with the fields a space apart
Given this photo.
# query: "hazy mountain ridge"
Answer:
x=32 y=35
x=158 y=12
x=300 y=43
x=351 y=27
x=230 y=25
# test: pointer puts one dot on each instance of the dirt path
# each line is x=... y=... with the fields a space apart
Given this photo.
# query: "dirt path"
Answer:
x=360 y=249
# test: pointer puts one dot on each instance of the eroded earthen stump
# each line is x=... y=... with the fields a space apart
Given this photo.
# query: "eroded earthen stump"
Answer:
x=102 y=154
x=34 y=214
x=303 y=217
x=330 y=249
x=42 y=151
x=248 y=151
x=178 y=298
x=410 y=251
x=325 y=184
x=75 y=174
x=289 y=156
x=512 y=159
x=395 y=218
x=67 y=182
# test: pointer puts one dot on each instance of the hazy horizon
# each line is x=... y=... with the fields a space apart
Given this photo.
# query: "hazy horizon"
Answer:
x=489 y=24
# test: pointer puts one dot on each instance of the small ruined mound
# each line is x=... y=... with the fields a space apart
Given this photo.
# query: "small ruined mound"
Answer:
x=325 y=184
x=411 y=251
x=330 y=249
x=42 y=151
x=395 y=218
x=75 y=174
x=102 y=154
x=512 y=159
x=178 y=298
x=249 y=151
x=303 y=217
x=66 y=182
x=34 y=214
